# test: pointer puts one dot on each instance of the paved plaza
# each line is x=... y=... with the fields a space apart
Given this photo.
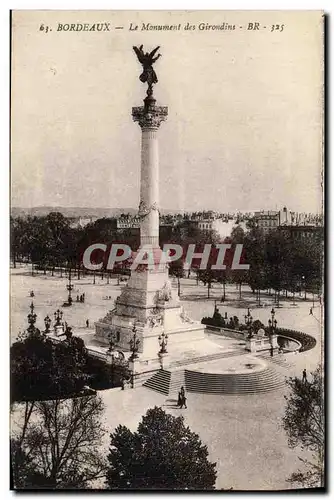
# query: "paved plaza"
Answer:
x=243 y=433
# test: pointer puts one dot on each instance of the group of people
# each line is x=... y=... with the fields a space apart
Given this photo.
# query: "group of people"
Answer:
x=182 y=400
x=81 y=298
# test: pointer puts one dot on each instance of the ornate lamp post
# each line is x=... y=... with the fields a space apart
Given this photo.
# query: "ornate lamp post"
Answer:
x=304 y=286
x=110 y=354
x=69 y=287
x=272 y=332
x=272 y=323
x=32 y=319
x=134 y=344
x=163 y=339
x=47 y=322
x=134 y=348
x=249 y=322
x=58 y=317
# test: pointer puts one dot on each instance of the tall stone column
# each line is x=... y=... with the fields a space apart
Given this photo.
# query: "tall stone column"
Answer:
x=149 y=118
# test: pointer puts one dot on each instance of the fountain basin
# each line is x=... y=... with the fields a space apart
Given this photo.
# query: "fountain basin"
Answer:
x=288 y=344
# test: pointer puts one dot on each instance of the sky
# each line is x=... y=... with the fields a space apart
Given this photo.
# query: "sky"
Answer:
x=244 y=130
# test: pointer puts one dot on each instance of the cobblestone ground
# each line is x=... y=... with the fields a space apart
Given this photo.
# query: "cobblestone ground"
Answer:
x=243 y=433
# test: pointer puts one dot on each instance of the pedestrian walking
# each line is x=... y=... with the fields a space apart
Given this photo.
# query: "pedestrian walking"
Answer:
x=179 y=399
x=304 y=376
x=83 y=297
x=311 y=311
x=87 y=323
x=182 y=391
x=32 y=293
x=271 y=351
x=183 y=402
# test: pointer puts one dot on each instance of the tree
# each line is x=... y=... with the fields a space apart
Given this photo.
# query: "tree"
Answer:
x=176 y=268
x=255 y=250
x=207 y=277
x=279 y=259
x=30 y=362
x=42 y=369
x=59 y=447
x=304 y=423
x=17 y=237
x=69 y=366
x=307 y=265
x=162 y=454
x=237 y=235
x=45 y=240
x=63 y=240
x=39 y=243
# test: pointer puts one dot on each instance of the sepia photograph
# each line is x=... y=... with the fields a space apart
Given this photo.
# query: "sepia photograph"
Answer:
x=167 y=295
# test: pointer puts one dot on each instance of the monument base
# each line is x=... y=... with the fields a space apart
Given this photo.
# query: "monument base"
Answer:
x=148 y=306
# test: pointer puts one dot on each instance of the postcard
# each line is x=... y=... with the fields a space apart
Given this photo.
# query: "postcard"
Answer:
x=167 y=241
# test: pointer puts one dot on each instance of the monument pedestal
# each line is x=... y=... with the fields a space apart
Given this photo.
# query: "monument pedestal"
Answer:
x=150 y=306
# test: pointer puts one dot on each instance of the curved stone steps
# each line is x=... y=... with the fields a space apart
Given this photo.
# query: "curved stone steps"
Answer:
x=177 y=380
x=159 y=382
x=235 y=383
x=265 y=380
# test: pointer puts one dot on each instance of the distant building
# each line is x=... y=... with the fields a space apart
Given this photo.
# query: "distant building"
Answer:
x=222 y=225
x=285 y=217
x=299 y=225
x=267 y=220
x=303 y=232
x=77 y=222
x=206 y=224
x=128 y=222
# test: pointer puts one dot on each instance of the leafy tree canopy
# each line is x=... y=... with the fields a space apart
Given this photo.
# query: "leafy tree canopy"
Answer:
x=43 y=369
x=162 y=454
x=303 y=422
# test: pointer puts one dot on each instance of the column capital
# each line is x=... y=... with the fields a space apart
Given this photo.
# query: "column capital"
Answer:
x=149 y=117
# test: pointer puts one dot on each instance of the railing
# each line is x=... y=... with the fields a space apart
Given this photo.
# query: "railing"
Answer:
x=96 y=354
x=220 y=330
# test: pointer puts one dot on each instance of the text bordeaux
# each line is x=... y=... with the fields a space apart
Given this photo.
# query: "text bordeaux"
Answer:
x=84 y=27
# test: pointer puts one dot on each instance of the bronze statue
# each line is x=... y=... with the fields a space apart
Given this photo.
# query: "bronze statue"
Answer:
x=147 y=60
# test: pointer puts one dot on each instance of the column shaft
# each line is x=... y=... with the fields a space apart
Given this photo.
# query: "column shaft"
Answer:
x=149 y=188
x=149 y=118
